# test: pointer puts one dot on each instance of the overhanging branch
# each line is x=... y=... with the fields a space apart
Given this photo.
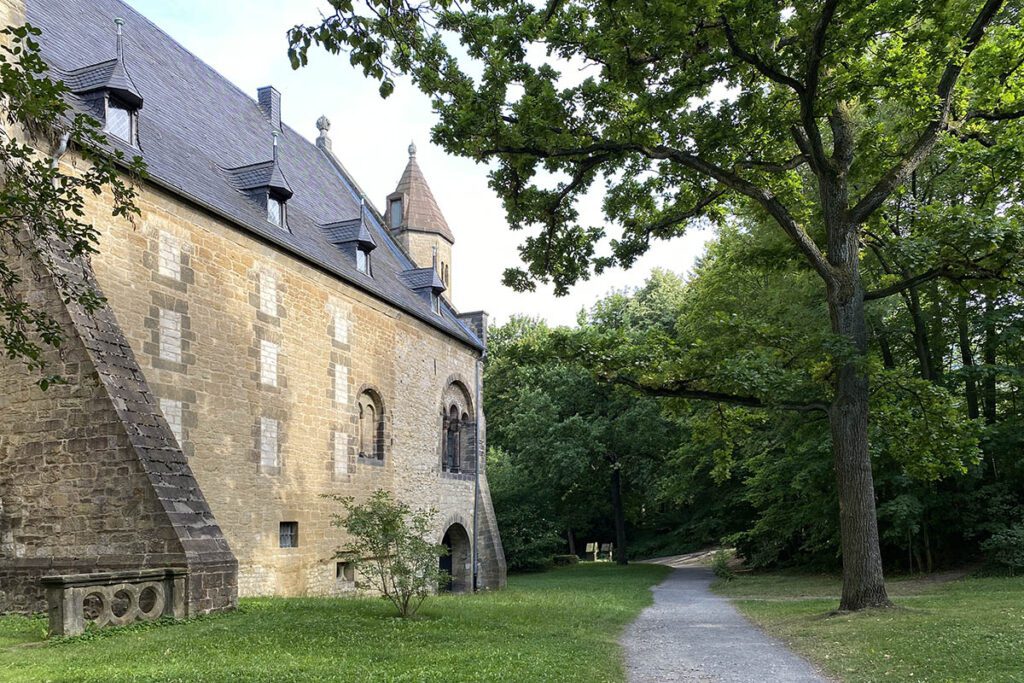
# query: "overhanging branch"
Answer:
x=681 y=390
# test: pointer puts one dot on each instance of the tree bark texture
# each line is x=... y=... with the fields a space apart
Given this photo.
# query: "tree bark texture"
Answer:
x=620 y=516
x=863 y=580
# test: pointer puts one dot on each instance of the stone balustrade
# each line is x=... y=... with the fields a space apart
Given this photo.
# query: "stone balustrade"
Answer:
x=77 y=601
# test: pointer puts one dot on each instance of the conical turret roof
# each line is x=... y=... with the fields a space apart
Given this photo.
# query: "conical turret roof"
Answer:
x=419 y=208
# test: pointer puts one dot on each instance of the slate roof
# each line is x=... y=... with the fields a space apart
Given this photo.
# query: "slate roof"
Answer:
x=423 y=278
x=354 y=230
x=256 y=176
x=196 y=127
x=420 y=211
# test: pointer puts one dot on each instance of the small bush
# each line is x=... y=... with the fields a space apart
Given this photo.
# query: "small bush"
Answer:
x=1006 y=548
x=390 y=546
x=720 y=566
x=564 y=560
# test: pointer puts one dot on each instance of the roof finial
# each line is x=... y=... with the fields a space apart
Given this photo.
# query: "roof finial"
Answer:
x=119 y=23
x=323 y=124
x=412 y=149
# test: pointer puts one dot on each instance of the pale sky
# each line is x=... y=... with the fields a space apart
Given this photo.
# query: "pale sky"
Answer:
x=245 y=41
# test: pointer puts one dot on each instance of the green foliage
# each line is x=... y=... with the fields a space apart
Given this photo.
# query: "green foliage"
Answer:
x=389 y=546
x=544 y=627
x=1006 y=548
x=42 y=206
x=720 y=566
x=842 y=150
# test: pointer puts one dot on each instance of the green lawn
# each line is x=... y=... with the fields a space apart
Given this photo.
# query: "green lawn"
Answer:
x=557 y=626
x=965 y=630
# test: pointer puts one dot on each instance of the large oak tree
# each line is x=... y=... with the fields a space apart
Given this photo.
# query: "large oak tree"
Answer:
x=789 y=138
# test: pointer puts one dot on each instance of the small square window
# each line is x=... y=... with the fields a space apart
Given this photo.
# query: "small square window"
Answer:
x=344 y=572
x=363 y=261
x=289 y=535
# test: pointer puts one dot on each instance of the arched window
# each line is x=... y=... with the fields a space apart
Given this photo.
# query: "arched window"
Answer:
x=458 y=431
x=453 y=441
x=371 y=427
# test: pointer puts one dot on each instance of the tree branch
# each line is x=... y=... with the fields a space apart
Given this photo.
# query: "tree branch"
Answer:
x=680 y=390
x=680 y=216
x=762 y=196
x=764 y=68
x=995 y=115
x=919 y=151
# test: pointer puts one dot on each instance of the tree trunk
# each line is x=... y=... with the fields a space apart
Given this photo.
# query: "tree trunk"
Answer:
x=863 y=580
x=620 y=516
x=988 y=382
x=967 y=357
x=920 y=333
x=571 y=537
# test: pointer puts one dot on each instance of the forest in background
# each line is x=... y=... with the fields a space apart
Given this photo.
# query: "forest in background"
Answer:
x=580 y=438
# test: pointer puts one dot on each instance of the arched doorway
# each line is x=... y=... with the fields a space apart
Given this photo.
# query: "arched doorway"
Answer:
x=457 y=562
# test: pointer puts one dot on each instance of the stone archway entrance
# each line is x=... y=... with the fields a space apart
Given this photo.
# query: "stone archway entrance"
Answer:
x=456 y=539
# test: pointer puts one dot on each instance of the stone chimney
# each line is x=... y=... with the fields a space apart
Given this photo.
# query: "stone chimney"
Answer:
x=270 y=103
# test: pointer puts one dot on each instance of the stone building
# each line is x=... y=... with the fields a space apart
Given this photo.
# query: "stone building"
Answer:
x=268 y=337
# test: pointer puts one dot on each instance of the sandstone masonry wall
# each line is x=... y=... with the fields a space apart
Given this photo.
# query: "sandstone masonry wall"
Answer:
x=90 y=476
x=191 y=292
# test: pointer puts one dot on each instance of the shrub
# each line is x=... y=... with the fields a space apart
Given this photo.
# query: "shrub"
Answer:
x=1006 y=548
x=389 y=547
x=720 y=566
x=564 y=560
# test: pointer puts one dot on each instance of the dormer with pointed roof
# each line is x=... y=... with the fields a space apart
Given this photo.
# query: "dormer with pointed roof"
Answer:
x=265 y=184
x=108 y=89
x=417 y=224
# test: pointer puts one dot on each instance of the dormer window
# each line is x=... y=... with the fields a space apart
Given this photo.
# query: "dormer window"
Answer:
x=120 y=121
x=363 y=260
x=396 y=213
x=435 y=302
x=275 y=211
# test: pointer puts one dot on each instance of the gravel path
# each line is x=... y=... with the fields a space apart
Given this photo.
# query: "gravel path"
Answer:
x=691 y=634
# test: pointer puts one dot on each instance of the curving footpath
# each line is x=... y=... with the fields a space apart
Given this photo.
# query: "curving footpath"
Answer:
x=691 y=634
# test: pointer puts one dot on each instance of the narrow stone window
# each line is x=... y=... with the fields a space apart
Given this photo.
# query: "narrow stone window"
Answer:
x=172 y=413
x=435 y=303
x=396 y=213
x=268 y=293
x=170 y=335
x=289 y=535
x=340 y=384
x=269 y=454
x=340 y=453
x=453 y=441
x=371 y=427
x=268 y=363
x=169 y=256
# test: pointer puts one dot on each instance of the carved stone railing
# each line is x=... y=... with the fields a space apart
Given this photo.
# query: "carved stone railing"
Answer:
x=76 y=601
